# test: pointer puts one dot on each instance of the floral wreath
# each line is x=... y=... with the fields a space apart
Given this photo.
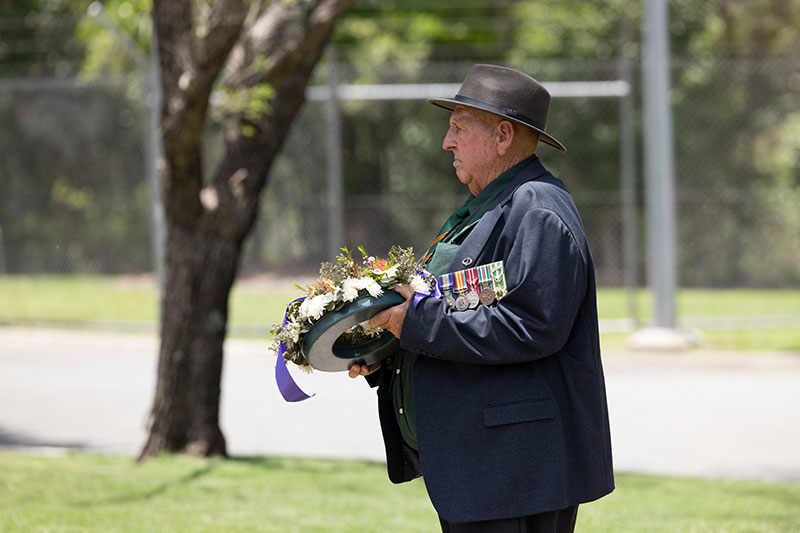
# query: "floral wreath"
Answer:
x=339 y=283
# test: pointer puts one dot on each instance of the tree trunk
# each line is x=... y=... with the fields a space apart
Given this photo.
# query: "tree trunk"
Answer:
x=206 y=224
x=200 y=271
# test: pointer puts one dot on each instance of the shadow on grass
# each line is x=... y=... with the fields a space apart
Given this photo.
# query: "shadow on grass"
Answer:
x=16 y=440
x=154 y=492
x=304 y=464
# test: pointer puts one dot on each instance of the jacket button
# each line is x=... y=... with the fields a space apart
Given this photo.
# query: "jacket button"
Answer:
x=400 y=410
x=467 y=261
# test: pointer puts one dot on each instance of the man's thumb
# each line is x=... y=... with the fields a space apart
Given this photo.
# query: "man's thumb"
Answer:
x=379 y=320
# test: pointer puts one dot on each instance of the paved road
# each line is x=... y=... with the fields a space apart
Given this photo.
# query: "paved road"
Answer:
x=697 y=413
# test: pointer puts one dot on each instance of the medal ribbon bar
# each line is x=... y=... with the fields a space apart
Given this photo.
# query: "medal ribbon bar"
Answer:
x=461 y=285
x=446 y=282
x=471 y=274
x=484 y=275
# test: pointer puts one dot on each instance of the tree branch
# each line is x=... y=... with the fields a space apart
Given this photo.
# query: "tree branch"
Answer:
x=195 y=39
x=281 y=36
x=280 y=49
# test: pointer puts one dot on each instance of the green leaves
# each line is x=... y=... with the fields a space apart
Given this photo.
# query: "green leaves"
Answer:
x=249 y=103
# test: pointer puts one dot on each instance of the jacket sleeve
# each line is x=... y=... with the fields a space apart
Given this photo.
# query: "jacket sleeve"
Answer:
x=546 y=276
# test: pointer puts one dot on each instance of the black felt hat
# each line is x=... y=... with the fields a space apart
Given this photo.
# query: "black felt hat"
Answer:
x=505 y=92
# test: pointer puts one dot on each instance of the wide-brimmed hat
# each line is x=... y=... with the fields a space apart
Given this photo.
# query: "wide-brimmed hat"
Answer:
x=505 y=92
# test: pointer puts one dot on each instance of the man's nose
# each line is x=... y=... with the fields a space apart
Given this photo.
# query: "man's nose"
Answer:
x=447 y=143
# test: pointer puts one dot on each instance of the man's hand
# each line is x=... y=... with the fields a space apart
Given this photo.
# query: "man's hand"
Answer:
x=363 y=370
x=393 y=318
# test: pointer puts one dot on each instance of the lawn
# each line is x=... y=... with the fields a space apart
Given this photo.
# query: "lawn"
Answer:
x=767 y=319
x=86 y=493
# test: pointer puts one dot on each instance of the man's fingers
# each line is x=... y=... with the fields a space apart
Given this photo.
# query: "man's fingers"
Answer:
x=405 y=290
x=363 y=370
x=380 y=320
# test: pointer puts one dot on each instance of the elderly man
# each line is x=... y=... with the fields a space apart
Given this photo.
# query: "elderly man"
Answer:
x=501 y=406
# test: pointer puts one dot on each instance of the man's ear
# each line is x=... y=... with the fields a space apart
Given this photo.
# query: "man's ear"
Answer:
x=505 y=137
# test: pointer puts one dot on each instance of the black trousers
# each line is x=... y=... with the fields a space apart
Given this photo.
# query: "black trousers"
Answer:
x=561 y=521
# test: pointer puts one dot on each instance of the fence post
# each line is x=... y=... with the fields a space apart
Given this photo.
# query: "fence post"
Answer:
x=660 y=182
x=628 y=193
x=154 y=155
x=334 y=158
x=659 y=162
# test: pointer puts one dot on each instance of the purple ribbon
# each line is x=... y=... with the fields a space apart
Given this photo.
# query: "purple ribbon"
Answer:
x=435 y=292
x=286 y=385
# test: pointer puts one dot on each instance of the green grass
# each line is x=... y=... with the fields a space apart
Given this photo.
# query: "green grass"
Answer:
x=613 y=302
x=86 y=299
x=86 y=493
x=749 y=305
x=76 y=299
x=82 y=300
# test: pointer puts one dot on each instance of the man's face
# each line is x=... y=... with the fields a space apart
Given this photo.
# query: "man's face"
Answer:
x=471 y=138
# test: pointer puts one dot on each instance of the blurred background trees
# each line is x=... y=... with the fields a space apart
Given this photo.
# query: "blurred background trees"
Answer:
x=736 y=80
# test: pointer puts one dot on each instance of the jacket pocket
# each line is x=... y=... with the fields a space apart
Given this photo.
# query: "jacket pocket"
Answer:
x=523 y=411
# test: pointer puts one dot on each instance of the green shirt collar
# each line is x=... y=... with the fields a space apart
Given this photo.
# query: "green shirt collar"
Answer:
x=478 y=205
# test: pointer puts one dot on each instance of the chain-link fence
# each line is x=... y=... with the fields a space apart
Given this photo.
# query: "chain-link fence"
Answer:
x=74 y=197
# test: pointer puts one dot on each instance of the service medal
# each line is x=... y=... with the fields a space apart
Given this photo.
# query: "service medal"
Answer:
x=487 y=295
x=446 y=283
x=471 y=276
x=498 y=278
x=473 y=299
x=462 y=303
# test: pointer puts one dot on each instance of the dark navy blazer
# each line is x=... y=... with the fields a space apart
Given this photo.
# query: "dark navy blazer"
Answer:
x=510 y=400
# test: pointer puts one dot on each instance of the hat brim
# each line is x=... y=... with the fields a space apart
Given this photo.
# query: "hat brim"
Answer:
x=450 y=105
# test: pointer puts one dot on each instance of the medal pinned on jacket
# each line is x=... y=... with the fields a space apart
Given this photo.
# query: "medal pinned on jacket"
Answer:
x=446 y=283
x=487 y=294
x=471 y=276
x=471 y=287
x=462 y=304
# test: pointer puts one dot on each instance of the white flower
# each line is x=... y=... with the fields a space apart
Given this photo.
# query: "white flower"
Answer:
x=302 y=311
x=293 y=329
x=329 y=297
x=314 y=306
x=361 y=283
x=419 y=284
x=373 y=288
x=391 y=272
x=350 y=289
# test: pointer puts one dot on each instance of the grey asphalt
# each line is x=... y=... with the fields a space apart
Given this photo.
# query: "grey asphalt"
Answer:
x=697 y=413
